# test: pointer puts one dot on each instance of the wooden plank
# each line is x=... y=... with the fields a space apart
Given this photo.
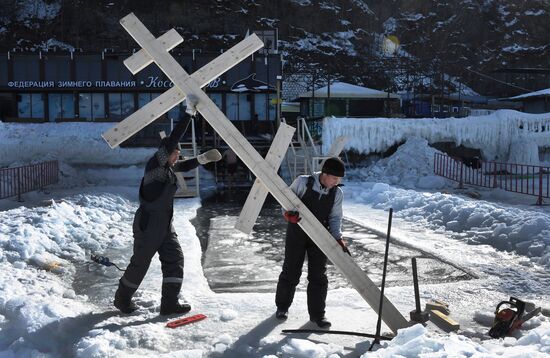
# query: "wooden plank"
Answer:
x=258 y=193
x=443 y=321
x=139 y=60
x=282 y=193
x=141 y=118
x=166 y=101
x=337 y=146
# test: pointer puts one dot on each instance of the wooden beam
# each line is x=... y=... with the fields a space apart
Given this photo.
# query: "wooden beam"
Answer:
x=258 y=193
x=166 y=101
x=139 y=60
x=443 y=321
x=282 y=193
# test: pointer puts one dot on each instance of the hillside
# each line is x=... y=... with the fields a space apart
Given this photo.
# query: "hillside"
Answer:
x=352 y=40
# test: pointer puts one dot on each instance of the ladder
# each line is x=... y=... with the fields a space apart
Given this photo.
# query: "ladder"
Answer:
x=304 y=156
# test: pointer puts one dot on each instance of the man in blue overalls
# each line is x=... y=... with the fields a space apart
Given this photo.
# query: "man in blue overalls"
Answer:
x=322 y=195
x=152 y=226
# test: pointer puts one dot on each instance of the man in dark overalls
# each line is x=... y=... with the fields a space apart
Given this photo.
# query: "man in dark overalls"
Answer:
x=322 y=195
x=152 y=226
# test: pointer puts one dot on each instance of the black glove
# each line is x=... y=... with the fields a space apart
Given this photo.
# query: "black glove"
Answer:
x=342 y=243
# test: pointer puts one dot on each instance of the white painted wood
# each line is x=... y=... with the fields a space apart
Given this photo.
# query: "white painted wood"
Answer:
x=139 y=60
x=258 y=193
x=282 y=193
x=139 y=119
x=166 y=101
x=337 y=146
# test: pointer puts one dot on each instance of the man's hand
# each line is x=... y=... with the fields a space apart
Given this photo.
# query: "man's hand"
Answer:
x=191 y=104
x=292 y=217
x=213 y=155
x=342 y=243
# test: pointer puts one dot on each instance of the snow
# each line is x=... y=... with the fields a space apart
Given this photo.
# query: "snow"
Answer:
x=326 y=43
x=347 y=90
x=37 y=10
x=542 y=93
x=495 y=134
x=54 y=302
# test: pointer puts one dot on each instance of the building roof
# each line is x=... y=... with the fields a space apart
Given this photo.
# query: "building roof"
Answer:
x=347 y=90
x=540 y=93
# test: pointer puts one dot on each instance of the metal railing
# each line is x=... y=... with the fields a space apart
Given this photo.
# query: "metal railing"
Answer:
x=19 y=180
x=518 y=178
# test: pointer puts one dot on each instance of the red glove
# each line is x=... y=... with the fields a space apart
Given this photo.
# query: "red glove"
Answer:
x=292 y=217
x=342 y=243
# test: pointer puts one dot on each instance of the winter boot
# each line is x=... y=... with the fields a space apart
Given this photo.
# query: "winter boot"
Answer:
x=281 y=315
x=123 y=299
x=322 y=322
x=174 y=308
x=169 y=303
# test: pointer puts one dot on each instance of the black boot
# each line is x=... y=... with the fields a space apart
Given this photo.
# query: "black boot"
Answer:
x=174 y=308
x=321 y=322
x=169 y=303
x=281 y=314
x=123 y=299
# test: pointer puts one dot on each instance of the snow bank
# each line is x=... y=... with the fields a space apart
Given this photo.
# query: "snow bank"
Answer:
x=417 y=341
x=526 y=232
x=495 y=135
x=411 y=166
x=71 y=143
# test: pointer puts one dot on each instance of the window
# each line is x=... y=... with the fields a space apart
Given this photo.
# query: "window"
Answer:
x=232 y=106
x=336 y=107
x=30 y=105
x=175 y=113
x=260 y=106
x=318 y=108
x=120 y=105
x=272 y=107
x=144 y=98
x=60 y=105
x=216 y=98
x=238 y=107
x=91 y=106
x=265 y=106
x=435 y=108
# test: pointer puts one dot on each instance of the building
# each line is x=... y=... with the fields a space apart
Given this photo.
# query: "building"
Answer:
x=342 y=99
x=62 y=86
x=533 y=102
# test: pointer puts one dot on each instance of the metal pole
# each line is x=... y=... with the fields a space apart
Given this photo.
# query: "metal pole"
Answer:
x=19 y=184
x=415 y=283
x=278 y=101
x=539 y=200
x=379 y=323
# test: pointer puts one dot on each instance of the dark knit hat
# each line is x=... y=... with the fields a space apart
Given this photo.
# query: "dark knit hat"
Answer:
x=334 y=166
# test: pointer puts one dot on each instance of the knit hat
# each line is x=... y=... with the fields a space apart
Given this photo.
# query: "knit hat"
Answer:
x=334 y=166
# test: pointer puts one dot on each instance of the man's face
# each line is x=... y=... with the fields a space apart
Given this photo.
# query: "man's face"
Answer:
x=173 y=157
x=329 y=181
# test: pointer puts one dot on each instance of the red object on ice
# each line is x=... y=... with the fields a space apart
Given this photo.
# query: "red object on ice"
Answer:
x=186 y=320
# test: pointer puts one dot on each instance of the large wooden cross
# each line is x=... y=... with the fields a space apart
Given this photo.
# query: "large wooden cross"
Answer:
x=156 y=50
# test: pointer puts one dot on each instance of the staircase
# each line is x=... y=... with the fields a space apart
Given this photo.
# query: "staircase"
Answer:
x=304 y=155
